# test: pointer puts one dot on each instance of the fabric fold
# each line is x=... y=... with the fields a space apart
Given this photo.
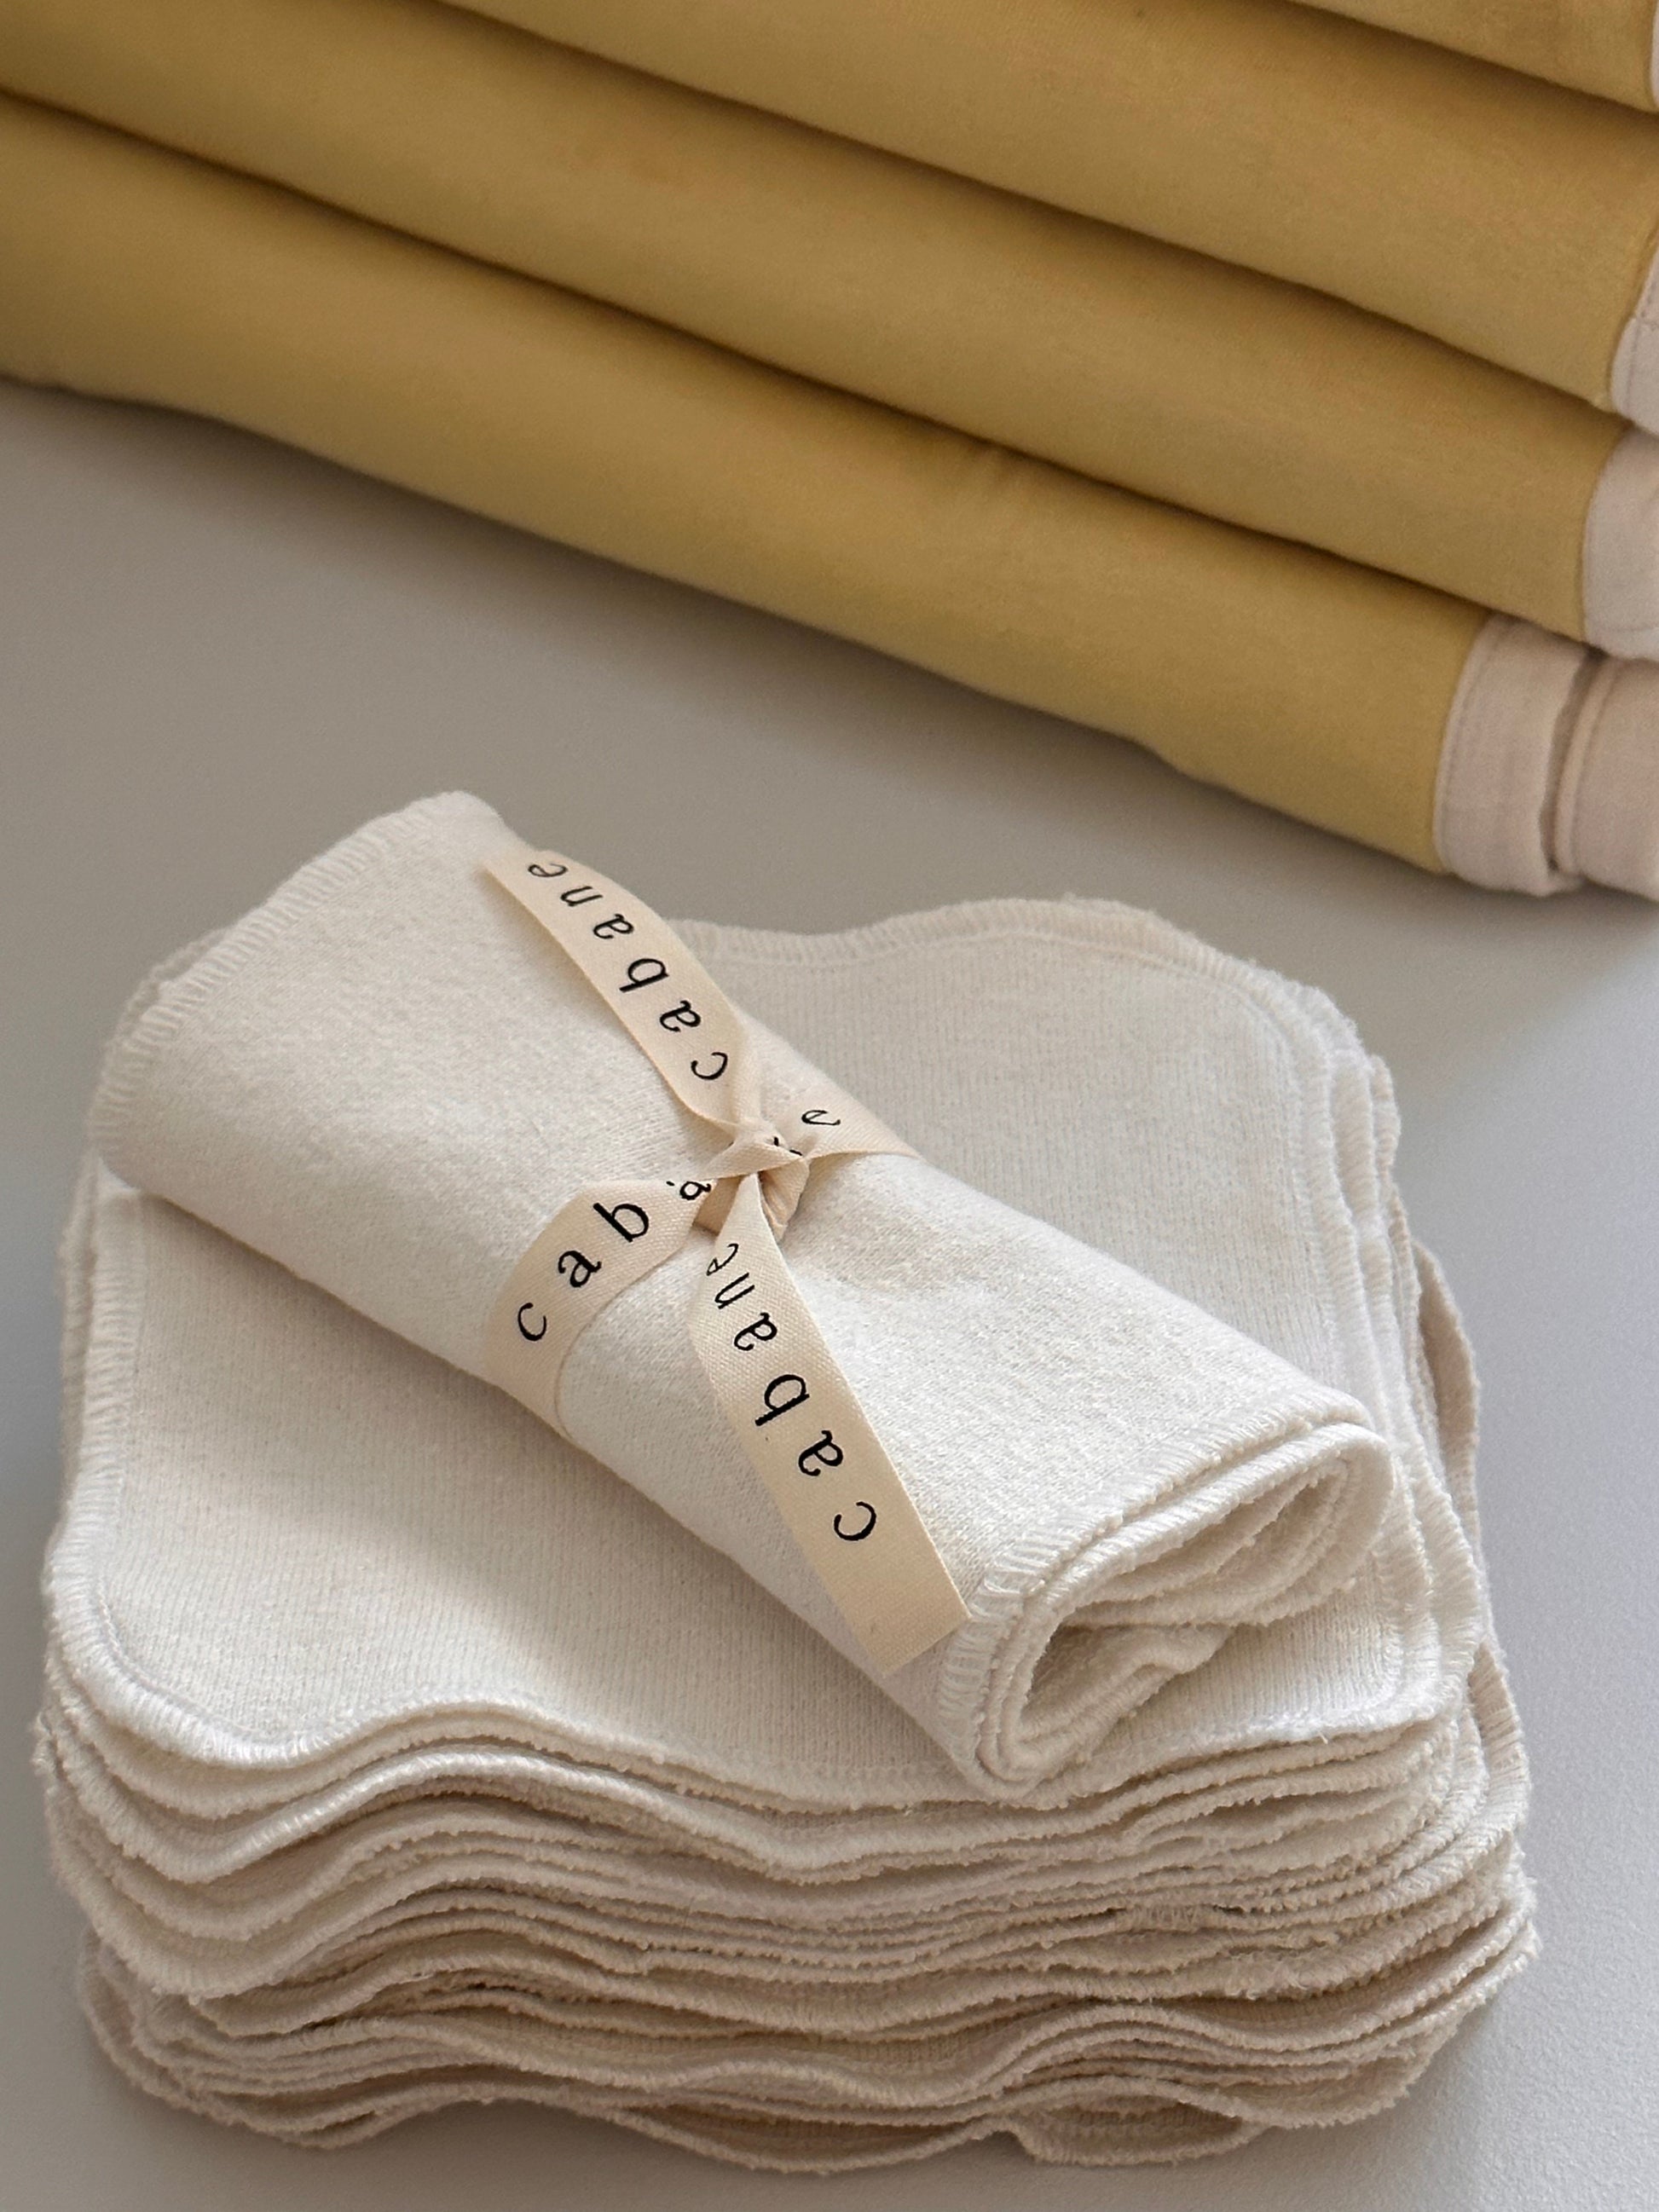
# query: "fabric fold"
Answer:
x=1300 y=681
x=1509 y=217
x=1170 y=374
x=1605 y=46
x=388 y=1079
x=378 y=1801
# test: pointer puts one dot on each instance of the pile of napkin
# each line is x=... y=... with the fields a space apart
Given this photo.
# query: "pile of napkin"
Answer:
x=1253 y=382
x=399 y=1753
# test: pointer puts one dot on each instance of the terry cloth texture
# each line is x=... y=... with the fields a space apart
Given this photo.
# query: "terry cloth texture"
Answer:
x=389 y=1079
x=400 y=1755
x=1598 y=46
x=1512 y=218
x=1171 y=375
x=1305 y=682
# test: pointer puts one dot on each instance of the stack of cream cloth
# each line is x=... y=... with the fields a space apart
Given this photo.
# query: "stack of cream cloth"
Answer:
x=398 y=1754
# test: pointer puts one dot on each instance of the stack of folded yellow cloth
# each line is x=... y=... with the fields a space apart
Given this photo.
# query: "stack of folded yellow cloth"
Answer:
x=1273 y=388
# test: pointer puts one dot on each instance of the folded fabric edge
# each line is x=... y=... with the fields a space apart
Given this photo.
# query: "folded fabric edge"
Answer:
x=1633 y=378
x=1621 y=561
x=1549 y=772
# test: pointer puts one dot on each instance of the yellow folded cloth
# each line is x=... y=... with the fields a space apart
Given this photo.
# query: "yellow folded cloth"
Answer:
x=1600 y=45
x=1372 y=706
x=1159 y=370
x=1512 y=218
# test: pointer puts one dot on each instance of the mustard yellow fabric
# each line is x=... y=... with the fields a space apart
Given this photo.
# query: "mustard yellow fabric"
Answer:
x=1305 y=682
x=1509 y=217
x=1163 y=371
x=1600 y=45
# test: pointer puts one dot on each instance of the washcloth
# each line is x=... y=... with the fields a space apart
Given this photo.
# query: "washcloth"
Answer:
x=1511 y=218
x=1366 y=704
x=1161 y=371
x=389 y=1079
x=377 y=1803
x=1598 y=46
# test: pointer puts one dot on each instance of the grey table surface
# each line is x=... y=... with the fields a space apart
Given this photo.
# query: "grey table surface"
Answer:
x=216 y=656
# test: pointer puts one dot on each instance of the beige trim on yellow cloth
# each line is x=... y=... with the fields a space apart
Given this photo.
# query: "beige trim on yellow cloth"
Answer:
x=1302 y=681
x=1167 y=373
x=1512 y=218
x=1598 y=45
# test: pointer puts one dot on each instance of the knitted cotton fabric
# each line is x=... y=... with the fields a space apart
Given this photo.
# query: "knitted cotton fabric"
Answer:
x=399 y=1754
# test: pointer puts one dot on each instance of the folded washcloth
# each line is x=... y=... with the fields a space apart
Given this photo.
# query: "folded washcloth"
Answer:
x=1509 y=217
x=1173 y=375
x=390 y=1080
x=1355 y=700
x=378 y=1799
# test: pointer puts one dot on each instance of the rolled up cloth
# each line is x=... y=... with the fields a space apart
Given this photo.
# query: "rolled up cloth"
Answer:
x=1342 y=695
x=386 y=1079
x=1511 y=217
x=1598 y=46
x=1164 y=372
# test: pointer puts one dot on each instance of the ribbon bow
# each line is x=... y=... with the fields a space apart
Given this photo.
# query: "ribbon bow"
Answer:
x=775 y=1379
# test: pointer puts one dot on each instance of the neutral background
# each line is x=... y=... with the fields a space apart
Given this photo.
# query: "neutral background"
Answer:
x=216 y=656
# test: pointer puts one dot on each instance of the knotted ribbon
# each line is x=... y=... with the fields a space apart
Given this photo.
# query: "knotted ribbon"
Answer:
x=776 y=1381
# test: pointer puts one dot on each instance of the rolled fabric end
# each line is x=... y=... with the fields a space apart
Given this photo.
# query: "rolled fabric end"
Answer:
x=1621 y=552
x=1494 y=792
x=1634 y=381
x=1549 y=772
x=1606 y=820
x=387 y=1079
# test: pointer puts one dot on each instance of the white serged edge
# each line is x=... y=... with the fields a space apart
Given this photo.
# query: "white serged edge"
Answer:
x=1621 y=552
x=1549 y=769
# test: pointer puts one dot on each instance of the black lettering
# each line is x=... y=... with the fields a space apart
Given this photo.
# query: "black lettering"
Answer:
x=818 y=1118
x=856 y=1536
x=711 y=1074
x=613 y=1214
x=581 y=1270
x=531 y=1335
x=688 y=1191
x=759 y=1332
x=725 y=1260
x=729 y=1293
x=618 y=926
x=579 y=895
x=682 y=1016
x=643 y=971
x=776 y=1406
x=827 y=1452
x=558 y=868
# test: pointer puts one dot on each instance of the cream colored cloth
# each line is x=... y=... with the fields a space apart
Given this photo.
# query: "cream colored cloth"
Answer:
x=1511 y=218
x=379 y=1798
x=1170 y=374
x=1550 y=769
x=389 y=1079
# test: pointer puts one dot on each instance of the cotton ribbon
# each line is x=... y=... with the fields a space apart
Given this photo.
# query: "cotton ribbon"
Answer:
x=775 y=1379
